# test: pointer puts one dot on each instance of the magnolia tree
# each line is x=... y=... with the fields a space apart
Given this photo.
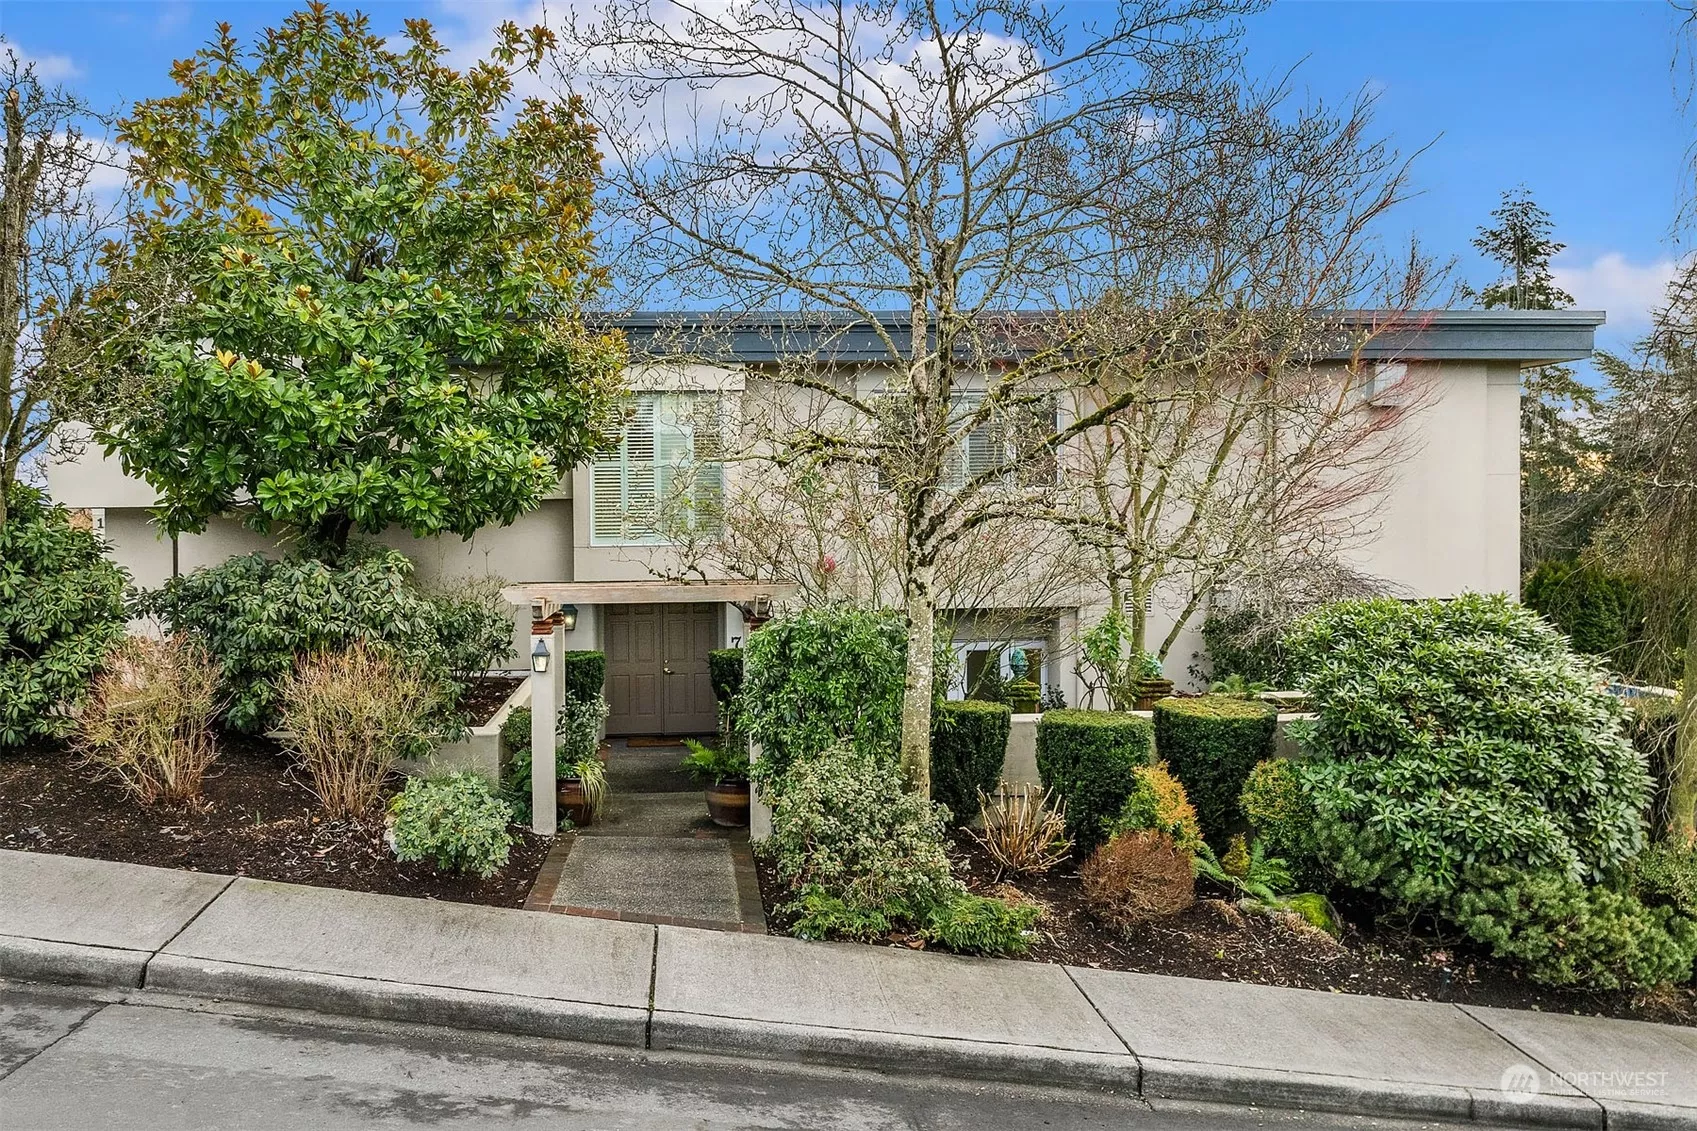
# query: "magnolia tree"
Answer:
x=938 y=183
x=381 y=261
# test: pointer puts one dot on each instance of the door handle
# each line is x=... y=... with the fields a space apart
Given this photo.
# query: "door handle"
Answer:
x=666 y=671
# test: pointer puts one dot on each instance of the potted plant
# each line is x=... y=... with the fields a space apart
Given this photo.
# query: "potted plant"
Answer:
x=581 y=775
x=582 y=790
x=723 y=770
x=1152 y=683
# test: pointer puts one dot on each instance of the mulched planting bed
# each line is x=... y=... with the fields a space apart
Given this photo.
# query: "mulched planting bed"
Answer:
x=259 y=820
x=1215 y=940
x=484 y=695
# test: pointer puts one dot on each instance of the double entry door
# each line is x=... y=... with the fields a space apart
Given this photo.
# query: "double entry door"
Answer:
x=657 y=679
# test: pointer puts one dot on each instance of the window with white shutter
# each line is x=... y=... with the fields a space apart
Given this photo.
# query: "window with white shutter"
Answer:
x=1011 y=442
x=664 y=475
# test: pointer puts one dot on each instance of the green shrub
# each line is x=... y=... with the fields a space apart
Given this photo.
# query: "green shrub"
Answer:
x=61 y=608
x=724 y=668
x=1242 y=642
x=1665 y=875
x=473 y=627
x=1279 y=810
x=976 y=924
x=258 y=615
x=844 y=823
x=1211 y=743
x=969 y=744
x=823 y=676
x=1568 y=932
x=454 y=821
x=586 y=675
x=1460 y=732
x=1089 y=759
x=515 y=730
x=819 y=915
x=1157 y=801
x=1600 y=612
x=577 y=741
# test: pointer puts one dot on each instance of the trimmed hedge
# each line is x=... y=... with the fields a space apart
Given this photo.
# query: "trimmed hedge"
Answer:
x=586 y=674
x=1211 y=744
x=724 y=668
x=969 y=743
x=1090 y=758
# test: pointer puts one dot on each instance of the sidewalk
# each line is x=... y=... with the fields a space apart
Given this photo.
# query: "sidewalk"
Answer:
x=65 y=919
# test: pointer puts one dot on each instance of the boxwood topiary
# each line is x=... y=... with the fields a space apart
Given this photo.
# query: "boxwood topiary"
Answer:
x=61 y=608
x=586 y=674
x=1089 y=759
x=969 y=743
x=1211 y=744
x=724 y=668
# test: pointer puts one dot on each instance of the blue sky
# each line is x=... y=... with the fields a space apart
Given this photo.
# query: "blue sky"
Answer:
x=1575 y=100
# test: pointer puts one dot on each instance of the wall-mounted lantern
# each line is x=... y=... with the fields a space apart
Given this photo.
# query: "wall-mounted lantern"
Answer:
x=539 y=656
x=568 y=617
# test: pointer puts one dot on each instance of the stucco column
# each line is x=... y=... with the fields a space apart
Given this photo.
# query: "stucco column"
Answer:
x=544 y=702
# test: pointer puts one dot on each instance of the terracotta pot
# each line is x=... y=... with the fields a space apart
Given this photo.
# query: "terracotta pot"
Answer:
x=727 y=804
x=1150 y=690
x=569 y=798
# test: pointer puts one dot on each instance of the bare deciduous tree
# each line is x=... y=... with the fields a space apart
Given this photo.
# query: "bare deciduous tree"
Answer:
x=54 y=226
x=944 y=181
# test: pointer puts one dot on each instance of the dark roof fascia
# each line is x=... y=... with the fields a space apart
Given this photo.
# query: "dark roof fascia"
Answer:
x=1525 y=337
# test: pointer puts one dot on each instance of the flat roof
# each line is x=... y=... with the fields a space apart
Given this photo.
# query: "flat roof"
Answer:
x=1527 y=337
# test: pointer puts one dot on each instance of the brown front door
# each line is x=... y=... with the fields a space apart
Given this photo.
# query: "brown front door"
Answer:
x=657 y=681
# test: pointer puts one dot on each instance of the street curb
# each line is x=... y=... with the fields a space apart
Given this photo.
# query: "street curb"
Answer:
x=1347 y=1095
x=399 y=1001
x=854 y=1048
x=80 y=964
x=38 y=960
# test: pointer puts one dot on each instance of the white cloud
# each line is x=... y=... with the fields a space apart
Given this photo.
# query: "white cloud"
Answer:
x=1628 y=291
x=48 y=68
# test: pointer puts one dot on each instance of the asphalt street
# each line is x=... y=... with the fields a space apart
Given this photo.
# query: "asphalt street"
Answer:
x=83 y=1059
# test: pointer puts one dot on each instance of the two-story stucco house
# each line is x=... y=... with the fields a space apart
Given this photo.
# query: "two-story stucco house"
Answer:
x=1449 y=523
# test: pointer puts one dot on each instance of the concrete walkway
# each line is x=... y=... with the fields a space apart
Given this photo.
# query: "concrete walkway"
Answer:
x=64 y=919
x=654 y=856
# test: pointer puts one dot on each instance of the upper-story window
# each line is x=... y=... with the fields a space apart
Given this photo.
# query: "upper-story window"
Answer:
x=665 y=476
x=1011 y=441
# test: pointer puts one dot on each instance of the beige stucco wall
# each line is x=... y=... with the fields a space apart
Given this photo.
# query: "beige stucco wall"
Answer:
x=1449 y=522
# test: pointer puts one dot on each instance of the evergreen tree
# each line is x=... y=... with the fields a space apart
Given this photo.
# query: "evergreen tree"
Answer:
x=1559 y=462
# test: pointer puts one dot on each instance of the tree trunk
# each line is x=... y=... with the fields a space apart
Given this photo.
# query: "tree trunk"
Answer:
x=921 y=679
x=1682 y=775
x=330 y=537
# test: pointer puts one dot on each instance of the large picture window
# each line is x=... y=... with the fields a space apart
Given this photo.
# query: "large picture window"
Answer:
x=665 y=477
